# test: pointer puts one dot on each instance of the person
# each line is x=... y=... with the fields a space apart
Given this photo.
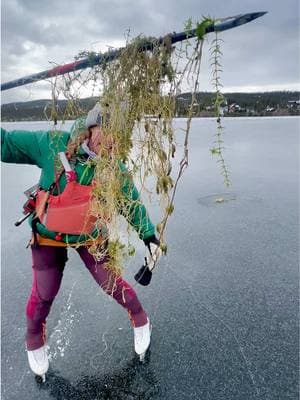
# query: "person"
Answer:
x=49 y=246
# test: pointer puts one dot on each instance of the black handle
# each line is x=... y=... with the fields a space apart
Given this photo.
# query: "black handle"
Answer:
x=21 y=220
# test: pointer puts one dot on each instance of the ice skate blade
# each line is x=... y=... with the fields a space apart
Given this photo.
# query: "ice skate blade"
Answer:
x=145 y=357
x=40 y=378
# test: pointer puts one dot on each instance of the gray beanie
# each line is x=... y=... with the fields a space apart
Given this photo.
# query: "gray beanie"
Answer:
x=94 y=116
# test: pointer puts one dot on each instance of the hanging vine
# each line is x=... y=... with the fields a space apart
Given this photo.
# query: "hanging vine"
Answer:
x=217 y=150
x=138 y=99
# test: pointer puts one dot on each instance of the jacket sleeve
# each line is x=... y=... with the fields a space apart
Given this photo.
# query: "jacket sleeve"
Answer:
x=21 y=147
x=132 y=208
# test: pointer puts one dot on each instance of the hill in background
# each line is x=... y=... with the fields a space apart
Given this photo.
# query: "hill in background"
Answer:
x=235 y=104
x=41 y=110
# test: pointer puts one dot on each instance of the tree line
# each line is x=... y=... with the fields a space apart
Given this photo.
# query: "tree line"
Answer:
x=264 y=103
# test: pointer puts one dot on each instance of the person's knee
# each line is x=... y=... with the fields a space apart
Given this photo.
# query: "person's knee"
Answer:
x=47 y=284
x=122 y=291
x=38 y=308
x=47 y=295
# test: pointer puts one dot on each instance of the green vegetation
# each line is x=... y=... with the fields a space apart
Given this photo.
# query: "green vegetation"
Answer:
x=140 y=93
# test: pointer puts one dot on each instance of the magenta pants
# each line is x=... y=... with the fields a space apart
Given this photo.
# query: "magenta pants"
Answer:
x=48 y=266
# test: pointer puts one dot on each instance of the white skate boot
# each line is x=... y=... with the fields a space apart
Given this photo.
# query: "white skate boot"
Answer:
x=142 y=336
x=38 y=361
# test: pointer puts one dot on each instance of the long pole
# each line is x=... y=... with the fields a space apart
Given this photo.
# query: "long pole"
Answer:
x=97 y=59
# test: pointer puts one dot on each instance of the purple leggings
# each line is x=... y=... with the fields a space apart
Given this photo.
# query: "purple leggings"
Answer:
x=48 y=266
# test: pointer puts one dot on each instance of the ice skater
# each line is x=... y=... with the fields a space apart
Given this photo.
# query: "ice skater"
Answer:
x=54 y=230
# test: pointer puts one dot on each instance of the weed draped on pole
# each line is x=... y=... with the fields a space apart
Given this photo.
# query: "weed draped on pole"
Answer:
x=138 y=98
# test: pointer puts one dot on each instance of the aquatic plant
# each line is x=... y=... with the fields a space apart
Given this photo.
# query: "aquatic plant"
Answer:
x=138 y=93
x=216 y=66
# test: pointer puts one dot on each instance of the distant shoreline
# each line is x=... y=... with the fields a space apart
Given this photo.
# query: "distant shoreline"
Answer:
x=295 y=113
x=265 y=104
x=212 y=118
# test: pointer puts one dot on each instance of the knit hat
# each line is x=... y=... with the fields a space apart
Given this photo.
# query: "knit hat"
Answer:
x=94 y=116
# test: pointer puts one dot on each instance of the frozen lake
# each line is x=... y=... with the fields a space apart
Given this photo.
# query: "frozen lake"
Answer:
x=223 y=302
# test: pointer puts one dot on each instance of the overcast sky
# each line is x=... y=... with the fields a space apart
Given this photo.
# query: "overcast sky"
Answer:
x=260 y=56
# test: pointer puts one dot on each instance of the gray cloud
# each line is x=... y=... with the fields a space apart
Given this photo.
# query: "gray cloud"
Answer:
x=262 y=54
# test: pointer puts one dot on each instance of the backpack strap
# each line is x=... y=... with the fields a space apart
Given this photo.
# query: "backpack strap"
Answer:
x=70 y=174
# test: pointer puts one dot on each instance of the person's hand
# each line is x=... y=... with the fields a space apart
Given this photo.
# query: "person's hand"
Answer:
x=153 y=246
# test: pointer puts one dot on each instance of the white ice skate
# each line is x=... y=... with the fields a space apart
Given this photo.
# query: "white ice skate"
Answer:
x=142 y=336
x=38 y=361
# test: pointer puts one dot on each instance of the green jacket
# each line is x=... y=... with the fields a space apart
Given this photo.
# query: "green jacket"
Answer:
x=40 y=148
